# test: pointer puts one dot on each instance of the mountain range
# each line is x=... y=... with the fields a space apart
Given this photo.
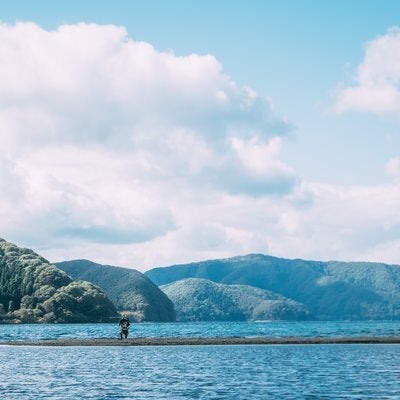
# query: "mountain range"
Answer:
x=327 y=290
x=251 y=287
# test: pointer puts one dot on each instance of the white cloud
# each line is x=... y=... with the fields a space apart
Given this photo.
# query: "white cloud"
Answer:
x=376 y=86
x=259 y=168
x=113 y=151
x=86 y=83
x=393 y=168
x=83 y=194
x=108 y=141
x=341 y=223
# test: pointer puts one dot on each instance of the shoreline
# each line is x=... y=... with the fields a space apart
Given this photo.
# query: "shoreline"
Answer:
x=202 y=341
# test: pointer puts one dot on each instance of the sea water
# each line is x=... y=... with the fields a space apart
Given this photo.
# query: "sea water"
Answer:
x=201 y=372
x=202 y=329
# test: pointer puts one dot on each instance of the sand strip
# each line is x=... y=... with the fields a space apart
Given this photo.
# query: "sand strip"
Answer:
x=141 y=341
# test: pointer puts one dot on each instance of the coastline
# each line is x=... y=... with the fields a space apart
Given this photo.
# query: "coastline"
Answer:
x=203 y=341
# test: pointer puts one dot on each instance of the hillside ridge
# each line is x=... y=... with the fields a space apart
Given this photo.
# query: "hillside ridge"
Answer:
x=33 y=290
x=330 y=290
x=128 y=289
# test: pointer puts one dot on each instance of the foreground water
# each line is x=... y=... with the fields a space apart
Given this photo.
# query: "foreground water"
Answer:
x=202 y=329
x=201 y=372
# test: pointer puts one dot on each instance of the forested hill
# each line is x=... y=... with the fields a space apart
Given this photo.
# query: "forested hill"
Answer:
x=33 y=290
x=198 y=299
x=128 y=289
x=330 y=290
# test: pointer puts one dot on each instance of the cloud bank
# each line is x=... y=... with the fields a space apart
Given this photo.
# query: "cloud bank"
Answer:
x=114 y=151
x=103 y=137
x=376 y=86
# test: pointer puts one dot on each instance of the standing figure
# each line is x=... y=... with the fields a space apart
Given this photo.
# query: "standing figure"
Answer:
x=124 y=326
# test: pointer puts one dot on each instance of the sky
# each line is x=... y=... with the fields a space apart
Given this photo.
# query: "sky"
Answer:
x=146 y=134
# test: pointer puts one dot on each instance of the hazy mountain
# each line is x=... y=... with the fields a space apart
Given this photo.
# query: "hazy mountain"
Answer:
x=198 y=299
x=128 y=289
x=33 y=290
x=330 y=290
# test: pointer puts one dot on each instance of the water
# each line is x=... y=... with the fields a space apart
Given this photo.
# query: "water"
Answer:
x=201 y=372
x=202 y=329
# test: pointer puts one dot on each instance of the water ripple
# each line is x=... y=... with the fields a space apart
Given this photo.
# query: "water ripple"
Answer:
x=202 y=329
x=202 y=372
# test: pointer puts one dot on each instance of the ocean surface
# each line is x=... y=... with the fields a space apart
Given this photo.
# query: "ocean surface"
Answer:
x=202 y=329
x=201 y=372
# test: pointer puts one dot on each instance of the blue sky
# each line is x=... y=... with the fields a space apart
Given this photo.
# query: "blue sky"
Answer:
x=325 y=150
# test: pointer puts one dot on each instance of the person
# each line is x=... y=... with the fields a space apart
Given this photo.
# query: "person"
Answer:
x=124 y=326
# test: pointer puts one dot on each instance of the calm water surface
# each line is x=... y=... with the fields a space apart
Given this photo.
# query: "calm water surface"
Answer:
x=201 y=372
x=202 y=329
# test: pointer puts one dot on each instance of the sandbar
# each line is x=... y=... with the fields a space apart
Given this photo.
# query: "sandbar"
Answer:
x=203 y=341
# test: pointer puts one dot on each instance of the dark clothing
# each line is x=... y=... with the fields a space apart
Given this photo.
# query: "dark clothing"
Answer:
x=124 y=325
x=124 y=322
